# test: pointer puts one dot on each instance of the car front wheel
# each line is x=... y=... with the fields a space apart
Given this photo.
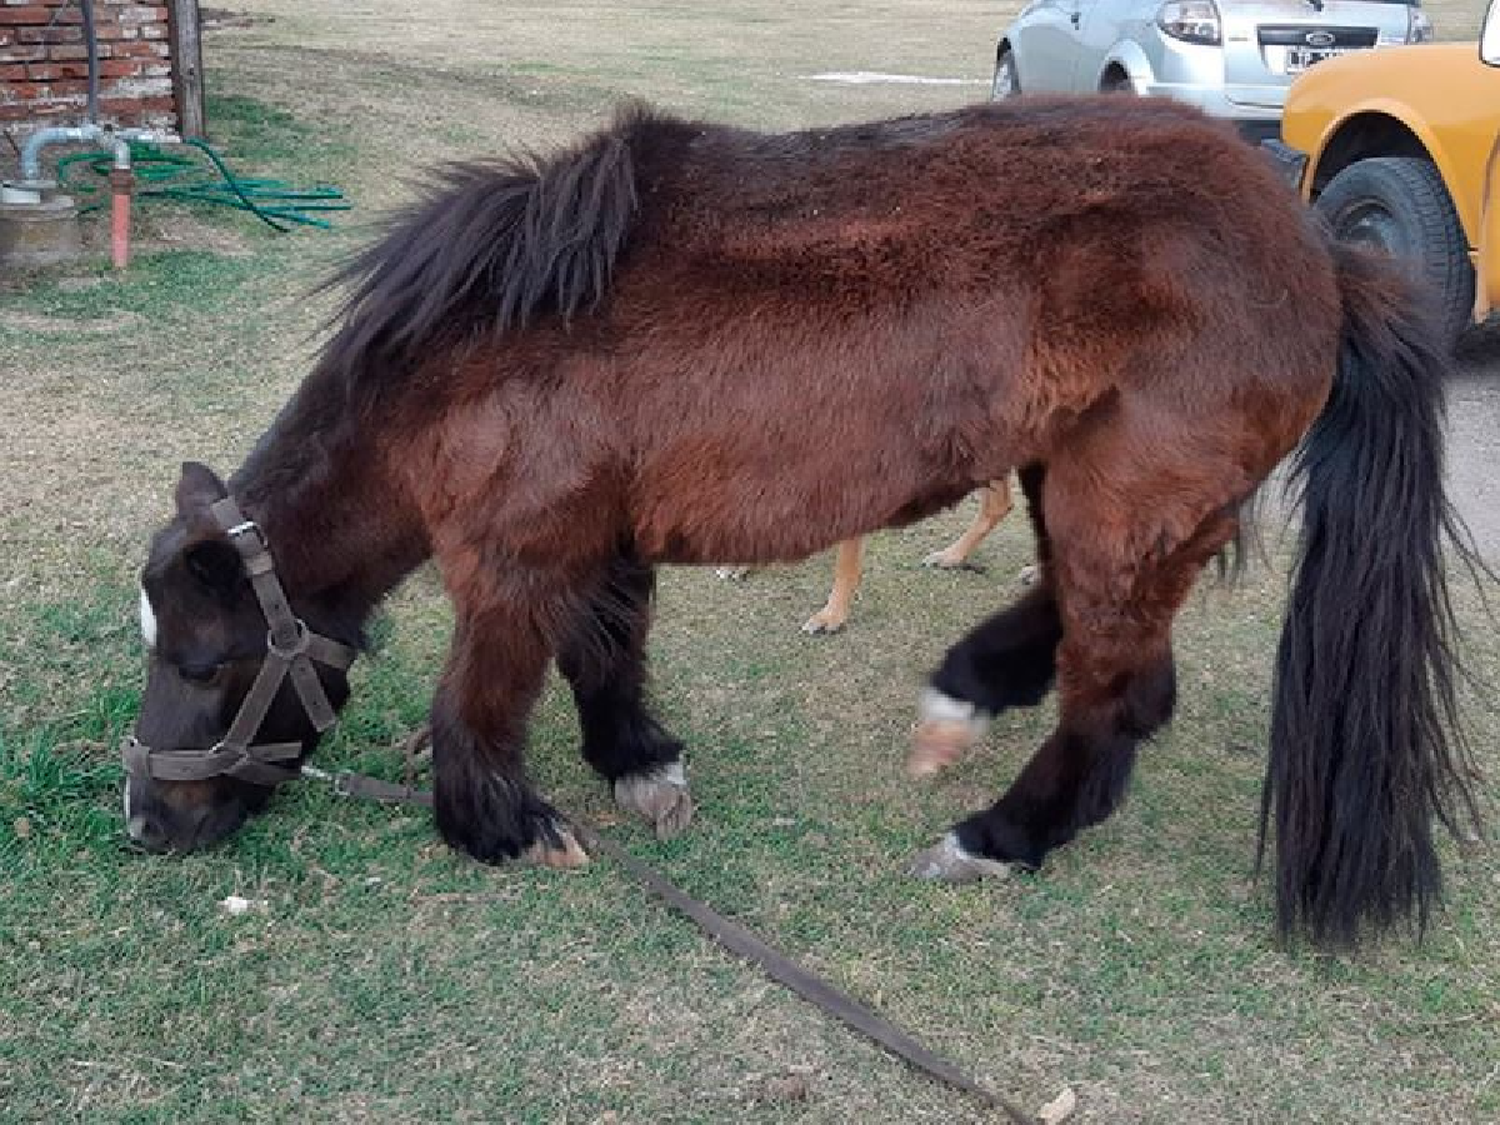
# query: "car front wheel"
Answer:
x=1007 y=82
x=1400 y=205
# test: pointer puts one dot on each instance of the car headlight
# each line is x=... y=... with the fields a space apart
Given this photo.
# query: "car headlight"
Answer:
x=1193 y=21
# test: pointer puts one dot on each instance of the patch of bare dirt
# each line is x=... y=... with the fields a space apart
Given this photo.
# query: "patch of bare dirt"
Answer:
x=217 y=19
x=69 y=326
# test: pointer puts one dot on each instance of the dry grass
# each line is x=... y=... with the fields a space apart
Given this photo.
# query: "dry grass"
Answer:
x=389 y=980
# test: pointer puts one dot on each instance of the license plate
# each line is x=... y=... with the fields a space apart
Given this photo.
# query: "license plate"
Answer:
x=1299 y=59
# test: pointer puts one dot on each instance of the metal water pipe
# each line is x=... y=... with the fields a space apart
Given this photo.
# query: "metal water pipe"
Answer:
x=121 y=176
x=91 y=41
x=91 y=133
x=32 y=188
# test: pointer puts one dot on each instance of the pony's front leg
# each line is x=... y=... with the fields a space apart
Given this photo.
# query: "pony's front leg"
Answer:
x=604 y=661
x=483 y=802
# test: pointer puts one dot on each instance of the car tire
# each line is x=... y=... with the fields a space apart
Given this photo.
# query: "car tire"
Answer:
x=1007 y=82
x=1399 y=204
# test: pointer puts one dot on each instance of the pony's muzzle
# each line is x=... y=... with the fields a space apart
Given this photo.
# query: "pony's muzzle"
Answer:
x=180 y=816
x=145 y=834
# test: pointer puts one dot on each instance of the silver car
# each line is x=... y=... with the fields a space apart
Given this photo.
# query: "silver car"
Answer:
x=1231 y=58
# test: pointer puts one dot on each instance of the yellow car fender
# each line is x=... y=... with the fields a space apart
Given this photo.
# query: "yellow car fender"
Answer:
x=1451 y=169
x=1487 y=257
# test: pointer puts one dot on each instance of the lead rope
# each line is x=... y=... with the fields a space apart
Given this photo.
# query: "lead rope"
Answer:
x=811 y=987
x=730 y=934
x=291 y=649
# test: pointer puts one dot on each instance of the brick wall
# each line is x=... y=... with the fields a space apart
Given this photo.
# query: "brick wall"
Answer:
x=44 y=67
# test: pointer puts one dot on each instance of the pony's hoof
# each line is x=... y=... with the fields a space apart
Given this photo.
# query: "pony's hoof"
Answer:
x=660 y=797
x=935 y=747
x=946 y=730
x=948 y=862
x=1029 y=575
x=562 y=852
x=732 y=573
x=824 y=622
x=946 y=559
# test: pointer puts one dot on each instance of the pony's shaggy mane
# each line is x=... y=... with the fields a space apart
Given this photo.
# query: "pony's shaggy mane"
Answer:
x=488 y=247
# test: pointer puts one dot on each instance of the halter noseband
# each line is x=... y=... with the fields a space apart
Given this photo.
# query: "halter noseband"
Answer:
x=291 y=647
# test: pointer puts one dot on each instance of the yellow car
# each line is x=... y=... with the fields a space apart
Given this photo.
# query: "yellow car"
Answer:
x=1396 y=148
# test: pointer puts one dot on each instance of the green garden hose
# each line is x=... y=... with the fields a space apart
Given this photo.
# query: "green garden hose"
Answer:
x=177 y=175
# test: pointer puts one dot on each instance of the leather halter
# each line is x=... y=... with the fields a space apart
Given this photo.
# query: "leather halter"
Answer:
x=291 y=648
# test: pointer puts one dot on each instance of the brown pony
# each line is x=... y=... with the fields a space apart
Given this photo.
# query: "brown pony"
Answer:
x=684 y=343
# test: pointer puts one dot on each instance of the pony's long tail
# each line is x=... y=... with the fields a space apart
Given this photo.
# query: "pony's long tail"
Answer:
x=1365 y=747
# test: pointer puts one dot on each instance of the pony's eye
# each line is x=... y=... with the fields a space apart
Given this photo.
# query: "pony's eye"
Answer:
x=200 y=673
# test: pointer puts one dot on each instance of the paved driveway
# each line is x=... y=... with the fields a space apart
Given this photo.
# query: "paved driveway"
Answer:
x=1474 y=437
x=1473 y=450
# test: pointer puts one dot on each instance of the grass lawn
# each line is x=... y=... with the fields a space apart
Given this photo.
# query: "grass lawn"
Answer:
x=378 y=976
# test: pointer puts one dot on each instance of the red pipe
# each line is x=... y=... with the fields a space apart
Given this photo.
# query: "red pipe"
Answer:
x=122 y=184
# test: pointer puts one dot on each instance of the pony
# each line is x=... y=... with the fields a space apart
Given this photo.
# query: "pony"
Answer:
x=679 y=342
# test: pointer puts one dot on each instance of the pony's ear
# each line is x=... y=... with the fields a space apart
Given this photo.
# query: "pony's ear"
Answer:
x=216 y=564
x=197 y=488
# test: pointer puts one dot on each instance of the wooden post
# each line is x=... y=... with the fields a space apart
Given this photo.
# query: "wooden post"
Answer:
x=187 y=67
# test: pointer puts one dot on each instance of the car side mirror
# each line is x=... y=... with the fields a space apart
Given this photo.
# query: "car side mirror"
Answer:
x=1489 y=38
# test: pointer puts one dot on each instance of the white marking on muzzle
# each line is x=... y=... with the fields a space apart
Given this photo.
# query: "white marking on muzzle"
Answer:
x=148 y=621
x=134 y=825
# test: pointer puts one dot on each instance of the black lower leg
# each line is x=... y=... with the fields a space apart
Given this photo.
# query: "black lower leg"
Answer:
x=482 y=801
x=1078 y=777
x=1009 y=660
x=604 y=662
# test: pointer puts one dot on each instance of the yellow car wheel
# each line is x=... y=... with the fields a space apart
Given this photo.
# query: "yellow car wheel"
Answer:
x=1400 y=205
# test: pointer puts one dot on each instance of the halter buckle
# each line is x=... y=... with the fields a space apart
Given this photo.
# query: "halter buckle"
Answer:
x=249 y=527
x=298 y=646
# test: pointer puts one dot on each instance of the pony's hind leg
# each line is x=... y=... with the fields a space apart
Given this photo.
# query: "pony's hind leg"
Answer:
x=1116 y=680
x=1007 y=661
x=604 y=661
x=483 y=803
